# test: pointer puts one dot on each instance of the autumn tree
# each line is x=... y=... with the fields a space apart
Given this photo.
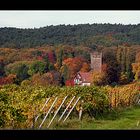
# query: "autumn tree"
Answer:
x=36 y=79
x=124 y=60
x=46 y=79
x=64 y=74
x=8 y=79
x=74 y=65
x=51 y=56
x=99 y=78
x=68 y=52
x=2 y=71
x=46 y=60
x=59 y=55
x=37 y=67
x=22 y=73
x=113 y=68
x=85 y=67
x=128 y=65
x=136 y=70
x=20 y=69
x=12 y=68
x=56 y=78
x=123 y=79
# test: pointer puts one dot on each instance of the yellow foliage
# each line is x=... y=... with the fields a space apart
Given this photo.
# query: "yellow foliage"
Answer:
x=99 y=78
x=136 y=70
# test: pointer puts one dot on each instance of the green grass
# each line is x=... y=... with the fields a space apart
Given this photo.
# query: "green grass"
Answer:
x=126 y=119
x=122 y=119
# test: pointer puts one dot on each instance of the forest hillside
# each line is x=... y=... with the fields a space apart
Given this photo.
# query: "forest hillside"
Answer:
x=90 y=35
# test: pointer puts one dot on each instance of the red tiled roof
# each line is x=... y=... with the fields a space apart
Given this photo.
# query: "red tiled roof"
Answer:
x=86 y=76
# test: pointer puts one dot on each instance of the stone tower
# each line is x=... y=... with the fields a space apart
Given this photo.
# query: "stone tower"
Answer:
x=96 y=61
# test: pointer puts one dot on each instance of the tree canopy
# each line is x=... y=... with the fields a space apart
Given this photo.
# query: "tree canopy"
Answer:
x=90 y=35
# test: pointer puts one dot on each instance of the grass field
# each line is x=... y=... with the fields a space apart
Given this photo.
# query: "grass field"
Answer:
x=128 y=118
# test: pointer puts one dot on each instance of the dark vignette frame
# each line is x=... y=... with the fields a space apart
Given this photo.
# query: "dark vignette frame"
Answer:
x=70 y=134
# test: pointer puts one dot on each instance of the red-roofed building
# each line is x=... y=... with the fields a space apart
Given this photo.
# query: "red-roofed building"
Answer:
x=83 y=78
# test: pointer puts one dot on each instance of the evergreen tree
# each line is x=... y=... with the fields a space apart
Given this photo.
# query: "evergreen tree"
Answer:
x=2 y=72
x=46 y=60
x=65 y=74
x=22 y=73
x=59 y=58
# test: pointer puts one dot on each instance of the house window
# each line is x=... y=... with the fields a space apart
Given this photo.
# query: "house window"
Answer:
x=76 y=81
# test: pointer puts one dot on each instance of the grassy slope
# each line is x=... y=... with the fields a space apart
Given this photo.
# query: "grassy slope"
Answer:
x=127 y=119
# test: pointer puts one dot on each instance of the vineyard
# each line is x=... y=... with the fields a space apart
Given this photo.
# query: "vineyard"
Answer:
x=19 y=105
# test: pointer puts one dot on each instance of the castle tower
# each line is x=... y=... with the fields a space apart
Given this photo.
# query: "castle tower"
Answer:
x=96 y=61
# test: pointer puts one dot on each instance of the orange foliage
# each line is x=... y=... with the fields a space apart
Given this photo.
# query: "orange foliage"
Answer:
x=85 y=67
x=104 y=67
x=36 y=79
x=74 y=65
x=99 y=78
x=135 y=67
x=7 y=80
x=49 y=78
x=56 y=66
